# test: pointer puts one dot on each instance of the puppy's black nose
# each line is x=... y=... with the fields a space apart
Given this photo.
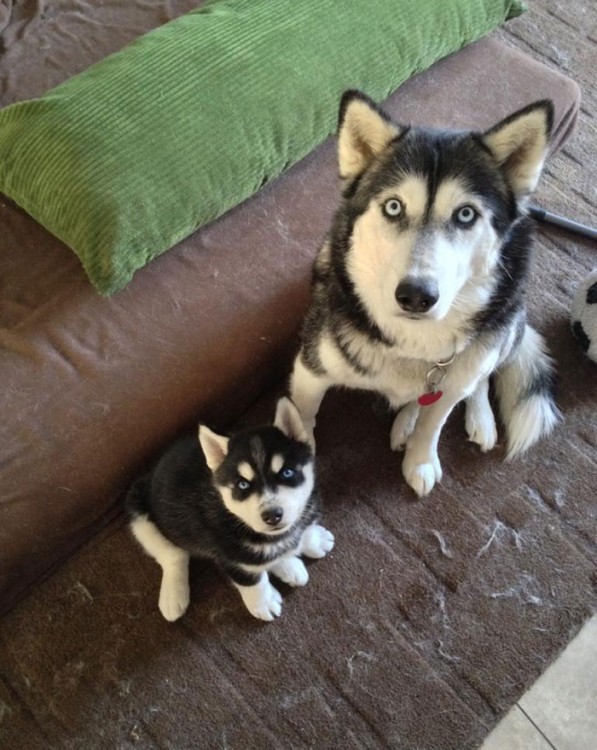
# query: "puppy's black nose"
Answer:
x=417 y=295
x=272 y=516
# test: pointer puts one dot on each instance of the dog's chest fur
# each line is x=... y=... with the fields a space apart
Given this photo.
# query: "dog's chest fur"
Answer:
x=380 y=368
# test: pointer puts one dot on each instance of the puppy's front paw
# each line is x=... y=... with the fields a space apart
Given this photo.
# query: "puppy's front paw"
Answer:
x=174 y=597
x=404 y=425
x=263 y=601
x=421 y=475
x=268 y=605
x=317 y=541
x=291 y=570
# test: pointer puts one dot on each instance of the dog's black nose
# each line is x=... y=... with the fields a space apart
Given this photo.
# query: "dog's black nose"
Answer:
x=417 y=295
x=272 y=516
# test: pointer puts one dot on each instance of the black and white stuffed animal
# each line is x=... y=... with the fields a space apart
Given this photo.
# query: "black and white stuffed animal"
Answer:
x=584 y=315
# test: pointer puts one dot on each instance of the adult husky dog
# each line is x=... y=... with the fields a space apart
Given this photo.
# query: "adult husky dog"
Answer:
x=418 y=291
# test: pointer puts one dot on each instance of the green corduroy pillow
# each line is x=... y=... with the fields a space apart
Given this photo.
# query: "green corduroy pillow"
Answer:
x=132 y=155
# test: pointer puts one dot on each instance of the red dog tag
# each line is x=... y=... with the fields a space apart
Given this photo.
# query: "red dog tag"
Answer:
x=426 y=399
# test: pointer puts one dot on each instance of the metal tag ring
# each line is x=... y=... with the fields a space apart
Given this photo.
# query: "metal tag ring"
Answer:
x=435 y=376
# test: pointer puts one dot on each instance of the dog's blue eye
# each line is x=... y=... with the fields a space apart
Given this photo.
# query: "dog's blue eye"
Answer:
x=287 y=473
x=466 y=216
x=392 y=208
x=242 y=484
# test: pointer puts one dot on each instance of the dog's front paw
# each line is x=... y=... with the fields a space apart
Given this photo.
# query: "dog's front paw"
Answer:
x=316 y=541
x=174 y=597
x=291 y=570
x=421 y=475
x=263 y=600
x=404 y=425
x=480 y=426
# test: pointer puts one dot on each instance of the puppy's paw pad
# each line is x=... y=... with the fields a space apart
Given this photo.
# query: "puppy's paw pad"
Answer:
x=317 y=541
x=292 y=571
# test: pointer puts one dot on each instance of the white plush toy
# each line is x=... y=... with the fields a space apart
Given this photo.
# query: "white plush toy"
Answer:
x=584 y=315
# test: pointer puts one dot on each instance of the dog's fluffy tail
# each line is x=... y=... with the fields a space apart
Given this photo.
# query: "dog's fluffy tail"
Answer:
x=524 y=387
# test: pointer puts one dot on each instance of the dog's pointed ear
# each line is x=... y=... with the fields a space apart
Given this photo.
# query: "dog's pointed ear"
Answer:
x=364 y=131
x=519 y=145
x=215 y=447
x=289 y=421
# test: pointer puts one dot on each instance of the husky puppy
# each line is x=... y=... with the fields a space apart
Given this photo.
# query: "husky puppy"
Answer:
x=247 y=502
x=418 y=290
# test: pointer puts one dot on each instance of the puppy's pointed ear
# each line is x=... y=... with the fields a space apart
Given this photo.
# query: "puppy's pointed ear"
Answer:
x=289 y=421
x=215 y=447
x=519 y=145
x=364 y=131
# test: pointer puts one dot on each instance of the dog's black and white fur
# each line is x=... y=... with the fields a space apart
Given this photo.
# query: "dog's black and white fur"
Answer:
x=248 y=502
x=422 y=277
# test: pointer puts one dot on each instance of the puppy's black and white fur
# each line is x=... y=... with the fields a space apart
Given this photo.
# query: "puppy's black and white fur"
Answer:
x=248 y=503
x=422 y=277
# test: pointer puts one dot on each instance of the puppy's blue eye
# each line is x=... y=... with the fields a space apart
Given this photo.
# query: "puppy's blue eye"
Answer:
x=242 y=484
x=392 y=208
x=287 y=473
x=465 y=216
